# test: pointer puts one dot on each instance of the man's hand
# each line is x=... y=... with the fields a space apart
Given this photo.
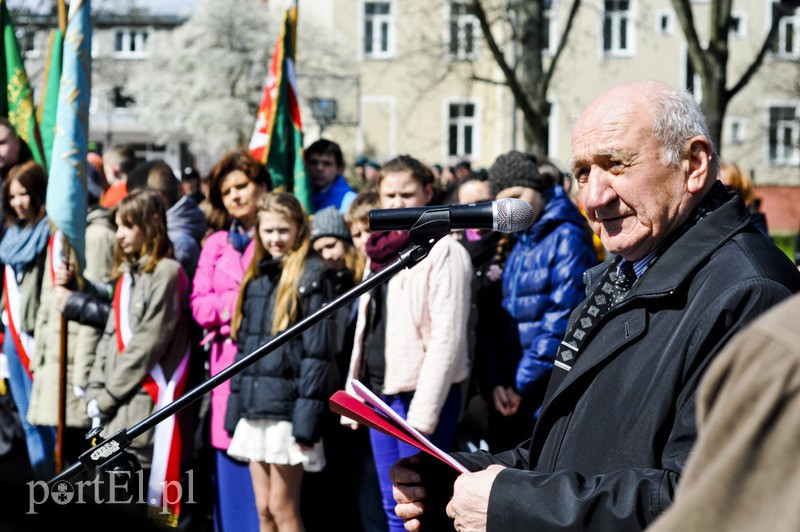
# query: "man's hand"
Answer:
x=469 y=506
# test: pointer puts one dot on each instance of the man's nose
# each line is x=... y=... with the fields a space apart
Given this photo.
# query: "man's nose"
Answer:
x=597 y=192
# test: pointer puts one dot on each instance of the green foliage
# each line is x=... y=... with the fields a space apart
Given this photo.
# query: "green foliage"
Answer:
x=786 y=241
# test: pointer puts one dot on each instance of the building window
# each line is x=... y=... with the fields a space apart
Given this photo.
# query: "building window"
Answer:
x=378 y=30
x=549 y=28
x=129 y=42
x=462 y=130
x=736 y=130
x=617 y=27
x=788 y=42
x=27 y=42
x=784 y=135
x=738 y=28
x=665 y=23
x=463 y=33
x=119 y=99
x=694 y=82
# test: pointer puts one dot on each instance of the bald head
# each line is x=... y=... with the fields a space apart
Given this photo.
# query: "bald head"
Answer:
x=643 y=160
x=672 y=113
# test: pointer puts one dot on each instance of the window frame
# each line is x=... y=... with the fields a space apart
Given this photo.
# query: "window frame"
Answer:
x=461 y=20
x=741 y=32
x=662 y=14
x=461 y=122
x=138 y=36
x=617 y=18
x=780 y=51
x=736 y=130
x=783 y=159
x=550 y=15
x=389 y=19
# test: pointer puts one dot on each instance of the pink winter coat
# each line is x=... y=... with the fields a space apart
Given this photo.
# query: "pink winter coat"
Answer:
x=215 y=289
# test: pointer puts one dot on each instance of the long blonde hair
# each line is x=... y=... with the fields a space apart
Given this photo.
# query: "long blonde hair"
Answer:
x=354 y=262
x=287 y=300
x=733 y=176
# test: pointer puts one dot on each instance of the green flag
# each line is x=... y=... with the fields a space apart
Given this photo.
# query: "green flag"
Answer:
x=48 y=101
x=277 y=139
x=18 y=102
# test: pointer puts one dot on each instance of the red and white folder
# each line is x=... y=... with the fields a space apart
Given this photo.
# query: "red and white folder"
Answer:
x=374 y=413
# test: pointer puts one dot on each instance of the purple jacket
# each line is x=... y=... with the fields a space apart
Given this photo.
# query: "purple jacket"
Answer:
x=215 y=289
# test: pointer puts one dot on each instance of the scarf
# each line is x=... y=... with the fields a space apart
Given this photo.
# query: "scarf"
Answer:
x=23 y=243
x=238 y=236
x=383 y=247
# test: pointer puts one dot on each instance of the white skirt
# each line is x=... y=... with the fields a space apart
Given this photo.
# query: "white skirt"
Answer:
x=265 y=440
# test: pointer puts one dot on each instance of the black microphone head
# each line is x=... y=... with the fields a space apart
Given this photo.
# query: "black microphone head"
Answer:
x=513 y=215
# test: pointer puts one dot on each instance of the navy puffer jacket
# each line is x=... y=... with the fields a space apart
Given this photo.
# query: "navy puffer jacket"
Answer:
x=542 y=284
x=293 y=382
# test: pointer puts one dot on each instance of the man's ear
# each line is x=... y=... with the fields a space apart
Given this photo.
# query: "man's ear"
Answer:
x=699 y=164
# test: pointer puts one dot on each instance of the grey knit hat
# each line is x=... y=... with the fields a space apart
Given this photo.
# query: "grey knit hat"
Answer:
x=517 y=169
x=329 y=222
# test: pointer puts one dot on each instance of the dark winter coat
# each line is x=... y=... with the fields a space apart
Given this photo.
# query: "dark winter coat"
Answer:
x=293 y=382
x=614 y=435
x=186 y=227
x=543 y=283
x=493 y=342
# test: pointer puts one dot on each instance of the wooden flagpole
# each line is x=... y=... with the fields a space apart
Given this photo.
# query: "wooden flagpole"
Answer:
x=62 y=353
x=62 y=375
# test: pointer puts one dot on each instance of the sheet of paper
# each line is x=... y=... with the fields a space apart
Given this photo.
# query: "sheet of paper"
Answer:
x=351 y=407
x=377 y=403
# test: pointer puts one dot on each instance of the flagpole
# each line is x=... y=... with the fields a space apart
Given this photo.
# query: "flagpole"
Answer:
x=62 y=374
x=45 y=113
x=62 y=353
x=62 y=16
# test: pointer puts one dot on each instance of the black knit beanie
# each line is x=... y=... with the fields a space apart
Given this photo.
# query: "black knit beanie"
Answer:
x=517 y=169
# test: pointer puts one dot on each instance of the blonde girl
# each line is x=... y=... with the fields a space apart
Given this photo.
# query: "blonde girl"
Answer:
x=277 y=404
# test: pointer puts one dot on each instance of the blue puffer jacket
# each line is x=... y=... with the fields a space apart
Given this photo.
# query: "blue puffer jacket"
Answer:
x=542 y=284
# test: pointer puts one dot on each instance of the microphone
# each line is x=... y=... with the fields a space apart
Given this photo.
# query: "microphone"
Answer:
x=508 y=215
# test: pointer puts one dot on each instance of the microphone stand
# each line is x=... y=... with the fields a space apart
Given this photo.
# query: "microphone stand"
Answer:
x=110 y=454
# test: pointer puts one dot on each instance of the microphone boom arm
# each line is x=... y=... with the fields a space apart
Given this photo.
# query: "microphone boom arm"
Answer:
x=111 y=452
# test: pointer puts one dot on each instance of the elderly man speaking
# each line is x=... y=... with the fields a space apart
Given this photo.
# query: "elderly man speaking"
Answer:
x=618 y=419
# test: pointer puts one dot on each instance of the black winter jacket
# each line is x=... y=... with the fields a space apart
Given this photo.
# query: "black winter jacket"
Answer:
x=293 y=382
x=615 y=433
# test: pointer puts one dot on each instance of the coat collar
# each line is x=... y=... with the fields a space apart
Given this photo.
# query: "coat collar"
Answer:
x=665 y=275
x=669 y=270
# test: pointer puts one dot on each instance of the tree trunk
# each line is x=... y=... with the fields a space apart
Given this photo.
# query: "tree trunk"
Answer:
x=530 y=73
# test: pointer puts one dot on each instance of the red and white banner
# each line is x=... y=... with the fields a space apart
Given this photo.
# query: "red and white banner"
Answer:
x=167 y=441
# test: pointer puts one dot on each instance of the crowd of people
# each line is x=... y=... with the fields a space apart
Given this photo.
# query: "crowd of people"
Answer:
x=559 y=364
